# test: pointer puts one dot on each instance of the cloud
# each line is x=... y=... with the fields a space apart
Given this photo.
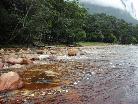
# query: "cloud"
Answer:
x=135 y=4
x=107 y=3
x=130 y=6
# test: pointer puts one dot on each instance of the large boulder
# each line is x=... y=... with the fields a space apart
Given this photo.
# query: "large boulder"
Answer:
x=14 y=60
x=10 y=81
x=72 y=52
x=19 y=61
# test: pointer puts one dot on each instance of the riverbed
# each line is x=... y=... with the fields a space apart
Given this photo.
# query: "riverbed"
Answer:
x=101 y=75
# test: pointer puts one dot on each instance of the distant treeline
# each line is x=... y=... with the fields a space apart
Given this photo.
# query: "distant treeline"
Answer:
x=28 y=22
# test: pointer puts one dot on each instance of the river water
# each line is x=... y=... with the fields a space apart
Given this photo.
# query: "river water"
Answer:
x=118 y=84
x=109 y=76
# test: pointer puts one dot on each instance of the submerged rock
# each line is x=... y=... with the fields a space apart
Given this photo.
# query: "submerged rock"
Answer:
x=10 y=81
x=41 y=77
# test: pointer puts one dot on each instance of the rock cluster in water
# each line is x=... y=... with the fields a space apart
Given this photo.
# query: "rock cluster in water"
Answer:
x=21 y=58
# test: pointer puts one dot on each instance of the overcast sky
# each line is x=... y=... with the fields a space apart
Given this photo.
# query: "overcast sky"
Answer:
x=117 y=4
x=109 y=3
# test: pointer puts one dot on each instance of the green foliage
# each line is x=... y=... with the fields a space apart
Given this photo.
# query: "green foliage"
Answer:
x=95 y=37
x=59 y=21
x=132 y=40
x=110 y=38
x=129 y=40
x=111 y=29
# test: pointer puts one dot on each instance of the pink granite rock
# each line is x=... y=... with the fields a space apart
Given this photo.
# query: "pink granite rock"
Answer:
x=10 y=81
x=14 y=60
x=21 y=61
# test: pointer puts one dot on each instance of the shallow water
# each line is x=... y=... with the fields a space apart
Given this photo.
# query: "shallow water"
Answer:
x=107 y=75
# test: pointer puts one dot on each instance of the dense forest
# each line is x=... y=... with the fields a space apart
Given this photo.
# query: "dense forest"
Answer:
x=34 y=22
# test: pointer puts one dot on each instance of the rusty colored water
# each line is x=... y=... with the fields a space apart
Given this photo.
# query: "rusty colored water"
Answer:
x=109 y=75
x=36 y=77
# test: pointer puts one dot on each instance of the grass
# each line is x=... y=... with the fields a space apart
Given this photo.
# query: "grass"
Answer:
x=93 y=43
x=59 y=45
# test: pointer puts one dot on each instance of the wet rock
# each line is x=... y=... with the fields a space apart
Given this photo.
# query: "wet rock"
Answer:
x=29 y=51
x=34 y=58
x=1 y=65
x=16 y=66
x=82 y=53
x=19 y=61
x=52 y=58
x=14 y=60
x=72 y=52
x=1 y=51
x=40 y=52
x=26 y=61
x=21 y=51
x=53 y=52
x=51 y=73
x=10 y=81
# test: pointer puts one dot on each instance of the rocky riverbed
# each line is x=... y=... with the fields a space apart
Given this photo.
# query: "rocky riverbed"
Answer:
x=88 y=75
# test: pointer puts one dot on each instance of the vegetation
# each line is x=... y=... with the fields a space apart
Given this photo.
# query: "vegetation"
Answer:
x=93 y=44
x=39 y=22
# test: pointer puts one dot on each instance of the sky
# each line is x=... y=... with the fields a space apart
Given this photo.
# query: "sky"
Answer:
x=118 y=4
x=108 y=3
x=135 y=3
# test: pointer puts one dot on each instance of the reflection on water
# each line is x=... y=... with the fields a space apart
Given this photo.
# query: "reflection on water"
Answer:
x=103 y=75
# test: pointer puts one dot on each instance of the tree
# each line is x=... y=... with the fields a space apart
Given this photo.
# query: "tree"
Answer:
x=110 y=38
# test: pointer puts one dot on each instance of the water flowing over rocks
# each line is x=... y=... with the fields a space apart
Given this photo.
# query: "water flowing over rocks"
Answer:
x=92 y=75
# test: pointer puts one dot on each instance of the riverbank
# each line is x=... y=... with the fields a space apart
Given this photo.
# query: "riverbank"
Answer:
x=78 y=44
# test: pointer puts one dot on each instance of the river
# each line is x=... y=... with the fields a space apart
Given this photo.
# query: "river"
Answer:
x=109 y=76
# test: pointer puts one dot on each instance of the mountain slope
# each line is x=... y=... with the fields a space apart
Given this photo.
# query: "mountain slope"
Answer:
x=120 y=14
